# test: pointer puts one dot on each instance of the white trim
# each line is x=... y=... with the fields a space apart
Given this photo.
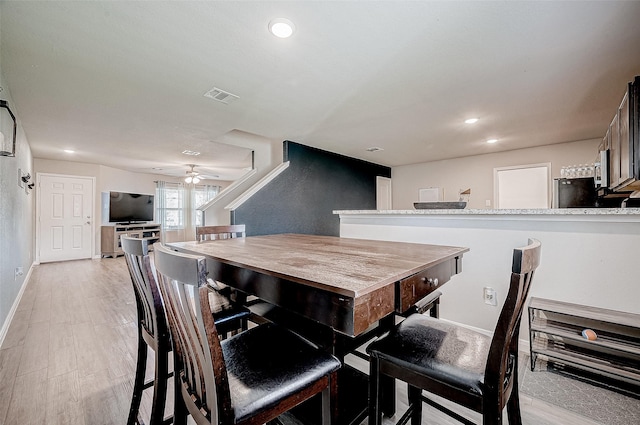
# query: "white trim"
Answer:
x=604 y=215
x=228 y=189
x=7 y=323
x=473 y=328
x=523 y=344
x=257 y=186
x=93 y=211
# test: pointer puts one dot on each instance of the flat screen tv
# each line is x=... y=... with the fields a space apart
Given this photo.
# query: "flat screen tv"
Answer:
x=130 y=207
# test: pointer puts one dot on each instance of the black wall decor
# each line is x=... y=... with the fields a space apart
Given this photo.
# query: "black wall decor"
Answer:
x=302 y=199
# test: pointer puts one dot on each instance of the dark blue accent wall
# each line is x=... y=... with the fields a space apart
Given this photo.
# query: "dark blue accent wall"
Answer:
x=303 y=197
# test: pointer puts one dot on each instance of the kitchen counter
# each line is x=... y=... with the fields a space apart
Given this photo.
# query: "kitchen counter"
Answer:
x=589 y=255
x=500 y=212
x=628 y=215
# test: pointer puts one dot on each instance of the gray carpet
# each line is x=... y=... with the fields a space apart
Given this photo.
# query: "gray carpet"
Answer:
x=599 y=404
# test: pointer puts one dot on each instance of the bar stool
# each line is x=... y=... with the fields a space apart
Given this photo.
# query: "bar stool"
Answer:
x=222 y=300
x=153 y=331
x=248 y=379
x=208 y=233
x=466 y=367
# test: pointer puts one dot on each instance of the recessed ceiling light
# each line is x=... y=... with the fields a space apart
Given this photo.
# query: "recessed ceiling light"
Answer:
x=374 y=149
x=281 y=27
x=156 y=168
x=492 y=140
x=69 y=151
x=192 y=153
x=471 y=121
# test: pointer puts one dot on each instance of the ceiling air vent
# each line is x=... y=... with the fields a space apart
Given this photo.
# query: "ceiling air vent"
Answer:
x=374 y=149
x=221 y=95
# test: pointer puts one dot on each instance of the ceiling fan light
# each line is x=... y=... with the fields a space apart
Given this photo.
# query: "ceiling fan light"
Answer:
x=195 y=180
x=188 y=179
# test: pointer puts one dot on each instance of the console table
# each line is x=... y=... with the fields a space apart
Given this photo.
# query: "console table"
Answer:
x=110 y=236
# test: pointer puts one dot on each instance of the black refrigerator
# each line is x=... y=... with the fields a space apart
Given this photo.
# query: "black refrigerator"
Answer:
x=574 y=193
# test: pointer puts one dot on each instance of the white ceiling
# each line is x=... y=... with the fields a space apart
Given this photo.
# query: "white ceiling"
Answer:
x=122 y=83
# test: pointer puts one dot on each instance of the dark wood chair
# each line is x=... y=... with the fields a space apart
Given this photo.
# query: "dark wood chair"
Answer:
x=226 y=298
x=153 y=332
x=206 y=233
x=248 y=379
x=458 y=364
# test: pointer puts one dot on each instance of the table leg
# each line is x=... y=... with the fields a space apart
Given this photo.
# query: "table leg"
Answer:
x=388 y=384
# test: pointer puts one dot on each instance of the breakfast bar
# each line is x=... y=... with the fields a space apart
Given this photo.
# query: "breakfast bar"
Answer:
x=590 y=255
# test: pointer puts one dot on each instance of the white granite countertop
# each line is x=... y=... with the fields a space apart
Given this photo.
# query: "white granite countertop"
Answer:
x=537 y=211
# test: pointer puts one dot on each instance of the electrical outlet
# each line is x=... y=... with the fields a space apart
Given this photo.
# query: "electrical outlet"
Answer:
x=490 y=296
x=487 y=203
x=19 y=272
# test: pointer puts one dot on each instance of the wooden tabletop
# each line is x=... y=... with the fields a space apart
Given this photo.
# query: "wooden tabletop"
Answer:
x=351 y=267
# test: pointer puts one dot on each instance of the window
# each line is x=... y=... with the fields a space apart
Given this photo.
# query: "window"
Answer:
x=201 y=195
x=178 y=204
x=171 y=205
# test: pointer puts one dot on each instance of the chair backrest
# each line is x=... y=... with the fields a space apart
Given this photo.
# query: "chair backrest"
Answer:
x=503 y=353
x=198 y=360
x=204 y=233
x=151 y=315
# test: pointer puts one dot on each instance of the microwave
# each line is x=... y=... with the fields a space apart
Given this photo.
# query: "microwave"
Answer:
x=574 y=193
x=602 y=169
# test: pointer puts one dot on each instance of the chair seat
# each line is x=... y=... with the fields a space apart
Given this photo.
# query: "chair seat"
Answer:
x=267 y=363
x=450 y=354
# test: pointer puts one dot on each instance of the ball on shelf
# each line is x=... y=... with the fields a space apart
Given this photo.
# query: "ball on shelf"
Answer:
x=589 y=334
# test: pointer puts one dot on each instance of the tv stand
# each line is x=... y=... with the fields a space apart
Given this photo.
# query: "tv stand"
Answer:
x=110 y=236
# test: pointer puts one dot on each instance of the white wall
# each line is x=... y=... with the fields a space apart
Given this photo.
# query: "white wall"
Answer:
x=267 y=156
x=16 y=219
x=476 y=172
x=108 y=179
x=587 y=260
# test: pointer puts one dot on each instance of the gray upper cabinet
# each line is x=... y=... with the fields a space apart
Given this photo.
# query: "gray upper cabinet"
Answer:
x=624 y=143
x=614 y=151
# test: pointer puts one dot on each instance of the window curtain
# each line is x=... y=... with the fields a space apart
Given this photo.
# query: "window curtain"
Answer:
x=178 y=205
x=171 y=209
x=161 y=208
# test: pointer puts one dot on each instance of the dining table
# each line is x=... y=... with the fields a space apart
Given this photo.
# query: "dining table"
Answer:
x=337 y=292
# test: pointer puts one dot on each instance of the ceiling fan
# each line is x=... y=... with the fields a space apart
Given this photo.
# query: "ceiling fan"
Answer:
x=192 y=176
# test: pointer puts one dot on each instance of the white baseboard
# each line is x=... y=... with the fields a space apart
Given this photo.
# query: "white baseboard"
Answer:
x=14 y=307
x=523 y=344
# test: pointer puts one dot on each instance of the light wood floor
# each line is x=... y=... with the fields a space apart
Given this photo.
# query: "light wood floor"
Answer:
x=69 y=355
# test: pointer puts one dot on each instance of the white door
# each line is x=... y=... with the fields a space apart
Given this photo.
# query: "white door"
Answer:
x=65 y=212
x=383 y=193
